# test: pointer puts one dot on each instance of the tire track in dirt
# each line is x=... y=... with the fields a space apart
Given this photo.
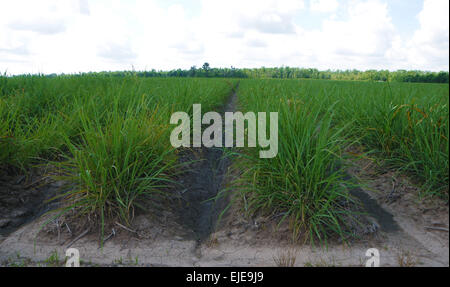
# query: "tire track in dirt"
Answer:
x=384 y=219
x=202 y=182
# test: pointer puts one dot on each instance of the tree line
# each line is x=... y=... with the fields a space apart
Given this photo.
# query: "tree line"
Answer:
x=414 y=76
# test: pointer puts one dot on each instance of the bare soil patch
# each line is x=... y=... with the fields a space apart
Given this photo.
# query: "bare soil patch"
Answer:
x=23 y=197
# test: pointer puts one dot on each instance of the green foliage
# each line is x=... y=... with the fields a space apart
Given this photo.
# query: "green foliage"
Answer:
x=289 y=73
x=407 y=125
x=109 y=136
x=303 y=183
x=348 y=75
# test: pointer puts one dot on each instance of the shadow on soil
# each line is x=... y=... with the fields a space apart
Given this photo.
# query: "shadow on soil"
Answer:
x=202 y=182
x=23 y=199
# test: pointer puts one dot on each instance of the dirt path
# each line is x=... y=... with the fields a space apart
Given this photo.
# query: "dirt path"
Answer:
x=201 y=184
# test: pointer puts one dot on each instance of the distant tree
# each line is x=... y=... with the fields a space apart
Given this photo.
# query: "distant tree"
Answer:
x=192 y=71
x=206 y=68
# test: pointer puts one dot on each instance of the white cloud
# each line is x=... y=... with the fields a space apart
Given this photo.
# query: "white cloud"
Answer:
x=265 y=16
x=361 y=40
x=324 y=6
x=367 y=32
x=430 y=43
x=117 y=52
x=84 y=7
x=434 y=24
x=44 y=17
x=41 y=26
x=73 y=36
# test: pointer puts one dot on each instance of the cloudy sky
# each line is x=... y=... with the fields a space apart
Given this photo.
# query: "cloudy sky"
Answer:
x=69 y=36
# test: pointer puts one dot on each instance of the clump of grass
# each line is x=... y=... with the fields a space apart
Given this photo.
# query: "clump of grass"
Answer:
x=406 y=259
x=285 y=258
x=114 y=167
x=302 y=183
x=405 y=124
x=53 y=260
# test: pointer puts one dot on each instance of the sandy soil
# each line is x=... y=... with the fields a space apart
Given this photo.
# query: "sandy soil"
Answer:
x=423 y=220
